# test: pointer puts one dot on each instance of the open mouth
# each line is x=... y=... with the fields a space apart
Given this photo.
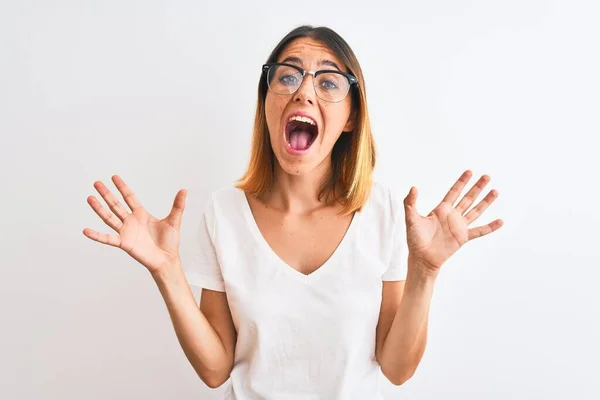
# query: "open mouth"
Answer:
x=300 y=132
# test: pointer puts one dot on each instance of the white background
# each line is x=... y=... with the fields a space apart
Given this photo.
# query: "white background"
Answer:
x=164 y=94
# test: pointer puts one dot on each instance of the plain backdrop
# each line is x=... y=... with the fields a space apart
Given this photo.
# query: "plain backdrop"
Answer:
x=163 y=94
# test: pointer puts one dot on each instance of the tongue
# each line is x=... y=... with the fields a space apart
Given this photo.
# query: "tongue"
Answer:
x=299 y=140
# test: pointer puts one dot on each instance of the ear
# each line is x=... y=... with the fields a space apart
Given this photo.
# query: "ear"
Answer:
x=351 y=123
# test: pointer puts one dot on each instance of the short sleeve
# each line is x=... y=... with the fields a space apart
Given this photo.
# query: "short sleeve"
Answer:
x=204 y=270
x=398 y=264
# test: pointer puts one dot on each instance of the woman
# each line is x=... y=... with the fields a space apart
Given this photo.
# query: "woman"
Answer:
x=314 y=278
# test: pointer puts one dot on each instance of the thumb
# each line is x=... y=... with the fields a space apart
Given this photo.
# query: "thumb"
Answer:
x=410 y=204
x=174 y=218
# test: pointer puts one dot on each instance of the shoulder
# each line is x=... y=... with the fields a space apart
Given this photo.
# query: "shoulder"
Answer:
x=385 y=202
x=224 y=197
x=224 y=204
x=381 y=225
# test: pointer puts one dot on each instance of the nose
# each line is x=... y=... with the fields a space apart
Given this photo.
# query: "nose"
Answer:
x=306 y=91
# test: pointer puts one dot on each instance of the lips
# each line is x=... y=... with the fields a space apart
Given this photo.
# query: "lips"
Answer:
x=301 y=130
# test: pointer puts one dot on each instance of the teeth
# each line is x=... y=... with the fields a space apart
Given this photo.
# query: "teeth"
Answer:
x=302 y=119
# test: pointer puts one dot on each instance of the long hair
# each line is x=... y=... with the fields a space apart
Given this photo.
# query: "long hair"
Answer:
x=353 y=155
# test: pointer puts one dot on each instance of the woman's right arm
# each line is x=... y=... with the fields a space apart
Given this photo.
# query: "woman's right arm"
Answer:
x=206 y=334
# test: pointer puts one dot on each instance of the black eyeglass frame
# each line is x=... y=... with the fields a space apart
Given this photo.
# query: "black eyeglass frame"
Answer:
x=351 y=78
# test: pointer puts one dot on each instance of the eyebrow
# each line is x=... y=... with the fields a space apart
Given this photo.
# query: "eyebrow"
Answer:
x=296 y=60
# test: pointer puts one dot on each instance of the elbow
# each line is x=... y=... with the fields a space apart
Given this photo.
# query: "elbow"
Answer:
x=400 y=380
x=400 y=369
x=214 y=378
x=213 y=381
x=214 y=384
x=399 y=375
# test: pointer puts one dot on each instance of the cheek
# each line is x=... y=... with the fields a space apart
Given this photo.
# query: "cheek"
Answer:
x=335 y=121
x=274 y=107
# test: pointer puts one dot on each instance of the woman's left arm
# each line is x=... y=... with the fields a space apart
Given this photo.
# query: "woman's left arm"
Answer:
x=431 y=241
x=403 y=346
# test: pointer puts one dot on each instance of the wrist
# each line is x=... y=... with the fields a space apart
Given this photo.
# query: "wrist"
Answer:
x=167 y=270
x=421 y=271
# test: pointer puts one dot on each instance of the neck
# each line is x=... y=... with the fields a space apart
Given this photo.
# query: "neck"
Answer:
x=298 y=194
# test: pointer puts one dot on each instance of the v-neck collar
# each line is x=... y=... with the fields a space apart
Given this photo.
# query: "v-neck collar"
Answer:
x=284 y=266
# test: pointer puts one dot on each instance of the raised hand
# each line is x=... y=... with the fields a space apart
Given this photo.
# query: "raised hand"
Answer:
x=433 y=239
x=152 y=242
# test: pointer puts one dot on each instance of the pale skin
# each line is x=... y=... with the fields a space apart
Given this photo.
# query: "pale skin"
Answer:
x=293 y=211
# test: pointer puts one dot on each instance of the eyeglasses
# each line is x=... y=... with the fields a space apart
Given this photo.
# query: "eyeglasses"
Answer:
x=330 y=85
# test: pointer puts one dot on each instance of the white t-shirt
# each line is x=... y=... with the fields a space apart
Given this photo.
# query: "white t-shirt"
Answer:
x=301 y=336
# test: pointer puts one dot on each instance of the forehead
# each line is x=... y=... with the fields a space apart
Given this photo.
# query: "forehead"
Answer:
x=310 y=52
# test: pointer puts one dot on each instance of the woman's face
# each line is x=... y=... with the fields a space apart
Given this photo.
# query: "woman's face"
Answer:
x=298 y=146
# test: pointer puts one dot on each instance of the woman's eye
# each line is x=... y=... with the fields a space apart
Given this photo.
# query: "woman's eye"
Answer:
x=288 y=79
x=329 y=85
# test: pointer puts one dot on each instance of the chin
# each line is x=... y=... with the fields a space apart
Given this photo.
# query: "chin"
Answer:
x=295 y=167
x=298 y=166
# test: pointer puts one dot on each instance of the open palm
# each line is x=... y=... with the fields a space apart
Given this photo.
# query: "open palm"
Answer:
x=152 y=242
x=434 y=238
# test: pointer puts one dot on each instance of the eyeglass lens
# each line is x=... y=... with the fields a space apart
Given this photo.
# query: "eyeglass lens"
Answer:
x=329 y=86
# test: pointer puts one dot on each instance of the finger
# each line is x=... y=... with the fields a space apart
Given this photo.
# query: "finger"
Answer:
x=480 y=231
x=111 y=200
x=472 y=194
x=126 y=192
x=109 y=218
x=174 y=218
x=482 y=206
x=457 y=188
x=112 y=240
x=410 y=206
